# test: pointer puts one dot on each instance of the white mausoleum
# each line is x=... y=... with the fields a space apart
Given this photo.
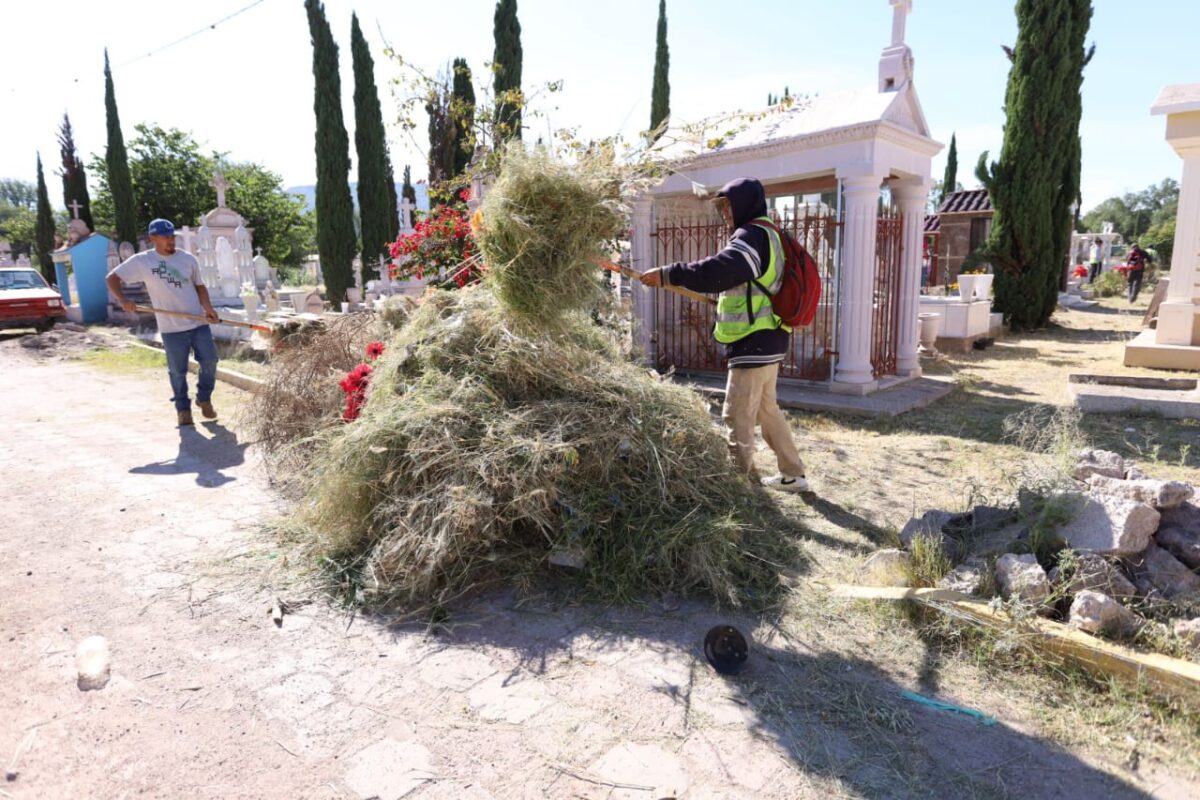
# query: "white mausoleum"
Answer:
x=840 y=155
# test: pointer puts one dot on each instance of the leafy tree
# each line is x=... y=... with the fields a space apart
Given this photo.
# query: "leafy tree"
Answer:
x=18 y=226
x=335 y=211
x=462 y=113
x=172 y=177
x=506 y=65
x=74 y=178
x=660 y=94
x=18 y=193
x=124 y=214
x=44 y=232
x=441 y=133
x=370 y=142
x=1147 y=216
x=1036 y=180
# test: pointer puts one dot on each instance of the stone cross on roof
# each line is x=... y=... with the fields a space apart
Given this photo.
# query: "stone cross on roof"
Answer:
x=900 y=11
x=220 y=184
x=75 y=206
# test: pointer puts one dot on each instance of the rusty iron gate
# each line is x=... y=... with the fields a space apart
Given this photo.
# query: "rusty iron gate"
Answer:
x=683 y=327
x=885 y=316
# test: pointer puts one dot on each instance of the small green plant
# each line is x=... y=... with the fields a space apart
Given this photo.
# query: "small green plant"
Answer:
x=929 y=562
x=1109 y=284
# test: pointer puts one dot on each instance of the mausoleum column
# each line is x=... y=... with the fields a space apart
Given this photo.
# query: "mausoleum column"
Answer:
x=1179 y=314
x=860 y=202
x=911 y=195
x=641 y=252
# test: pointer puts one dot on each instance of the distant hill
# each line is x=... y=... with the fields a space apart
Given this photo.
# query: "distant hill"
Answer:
x=310 y=194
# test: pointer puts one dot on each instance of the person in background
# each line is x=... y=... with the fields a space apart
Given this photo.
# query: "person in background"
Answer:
x=1137 y=260
x=1094 y=259
x=172 y=279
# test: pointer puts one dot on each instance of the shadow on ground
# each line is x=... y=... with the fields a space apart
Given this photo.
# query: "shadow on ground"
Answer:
x=206 y=456
x=834 y=717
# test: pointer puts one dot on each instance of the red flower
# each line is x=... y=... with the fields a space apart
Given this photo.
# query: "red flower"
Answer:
x=374 y=349
x=355 y=387
x=464 y=195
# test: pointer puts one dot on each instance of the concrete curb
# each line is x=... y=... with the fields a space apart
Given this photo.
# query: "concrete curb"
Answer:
x=237 y=379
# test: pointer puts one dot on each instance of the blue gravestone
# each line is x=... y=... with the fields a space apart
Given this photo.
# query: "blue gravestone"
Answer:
x=89 y=262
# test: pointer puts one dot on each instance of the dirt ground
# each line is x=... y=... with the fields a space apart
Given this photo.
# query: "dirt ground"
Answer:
x=113 y=522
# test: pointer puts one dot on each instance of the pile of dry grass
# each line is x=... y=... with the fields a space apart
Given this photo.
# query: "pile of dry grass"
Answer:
x=502 y=424
x=482 y=448
x=543 y=225
x=300 y=397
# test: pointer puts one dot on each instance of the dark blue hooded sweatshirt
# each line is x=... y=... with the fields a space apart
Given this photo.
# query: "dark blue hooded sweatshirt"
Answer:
x=744 y=259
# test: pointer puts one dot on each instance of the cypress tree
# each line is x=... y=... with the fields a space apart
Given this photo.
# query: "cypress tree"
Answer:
x=393 y=206
x=335 y=211
x=950 y=179
x=1036 y=179
x=462 y=112
x=660 y=95
x=120 y=185
x=74 y=179
x=44 y=230
x=370 y=141
x=506 y=64
x=441 y=136
x=408 y=191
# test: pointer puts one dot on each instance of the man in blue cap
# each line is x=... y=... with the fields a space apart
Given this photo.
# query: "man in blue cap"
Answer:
x=172 y=278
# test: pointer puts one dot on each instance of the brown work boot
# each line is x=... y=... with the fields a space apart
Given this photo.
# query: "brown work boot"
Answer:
x=185 y=418
x=207 y=410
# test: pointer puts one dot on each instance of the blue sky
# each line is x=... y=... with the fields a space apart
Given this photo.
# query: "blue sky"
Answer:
x=246 y=87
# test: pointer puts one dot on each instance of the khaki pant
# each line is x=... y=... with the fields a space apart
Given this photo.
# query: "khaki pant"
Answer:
x=750 y=400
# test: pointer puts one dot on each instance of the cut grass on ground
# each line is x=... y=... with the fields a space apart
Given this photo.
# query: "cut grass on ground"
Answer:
x=132 y=359
x=872 y=476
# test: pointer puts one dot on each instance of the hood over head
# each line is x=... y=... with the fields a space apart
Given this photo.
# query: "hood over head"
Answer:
x=747 y=200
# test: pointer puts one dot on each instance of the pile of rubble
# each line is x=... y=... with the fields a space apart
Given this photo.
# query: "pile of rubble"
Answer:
x=1122 y=542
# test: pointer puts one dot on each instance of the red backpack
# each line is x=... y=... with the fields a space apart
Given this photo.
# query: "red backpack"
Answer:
x=800 y=290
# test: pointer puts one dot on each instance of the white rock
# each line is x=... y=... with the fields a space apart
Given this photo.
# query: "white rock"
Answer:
x=1099 y=462
x=1188 y=630
x=1164 y=572
x=966 y=577
x=1109 y=525
x=1098 y=613
x=1093 y=573
x=1022 y=576
x=885 y=568
x=1181 y=543
x=1159 y=494
x=92 y=663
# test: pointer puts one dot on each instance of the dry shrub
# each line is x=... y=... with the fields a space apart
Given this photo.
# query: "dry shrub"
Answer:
x=301 y=396
x=543 y=223
x=482 y=448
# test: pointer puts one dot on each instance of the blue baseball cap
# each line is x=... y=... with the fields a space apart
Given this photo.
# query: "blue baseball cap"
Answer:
x=161 y=227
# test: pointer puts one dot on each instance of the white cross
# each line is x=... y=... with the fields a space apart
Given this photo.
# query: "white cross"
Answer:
x=900 y=11
x=75 y=206
x=220 y=184
x=406 y=209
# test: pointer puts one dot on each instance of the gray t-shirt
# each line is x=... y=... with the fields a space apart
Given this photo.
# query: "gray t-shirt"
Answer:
x=171 y=281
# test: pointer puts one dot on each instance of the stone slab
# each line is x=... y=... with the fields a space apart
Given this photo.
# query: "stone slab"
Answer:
x=1144 y=351
x=887 y=402
x=389 y=770
x=641 y=765
x=1166 y=403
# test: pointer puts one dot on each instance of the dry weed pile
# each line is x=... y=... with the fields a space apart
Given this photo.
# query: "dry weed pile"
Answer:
x=487 y=441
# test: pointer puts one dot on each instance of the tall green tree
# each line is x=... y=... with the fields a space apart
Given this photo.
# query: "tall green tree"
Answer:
x=393 y=206
x=506 y=66
x=74 y=178
x=335 y=210
x=45 y=226
x=950 y=178
x=19 y=193
x=1036 y=180
x=370 y=142
x=408 y=191
x=462 y=112
x=441 y=134
x=117 y=161
x=660 y=95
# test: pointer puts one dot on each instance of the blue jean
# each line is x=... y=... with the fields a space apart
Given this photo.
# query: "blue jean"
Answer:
x=179 y=346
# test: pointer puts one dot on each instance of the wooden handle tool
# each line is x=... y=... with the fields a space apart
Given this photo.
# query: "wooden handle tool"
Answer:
x=637 y=276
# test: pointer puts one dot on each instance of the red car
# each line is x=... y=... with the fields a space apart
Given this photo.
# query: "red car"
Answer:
x=27 y=301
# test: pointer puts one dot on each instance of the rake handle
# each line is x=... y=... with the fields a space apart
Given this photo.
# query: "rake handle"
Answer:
x=637 y=276
x=234 y=322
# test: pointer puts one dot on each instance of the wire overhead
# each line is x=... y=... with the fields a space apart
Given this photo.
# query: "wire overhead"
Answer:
x=209 y=27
